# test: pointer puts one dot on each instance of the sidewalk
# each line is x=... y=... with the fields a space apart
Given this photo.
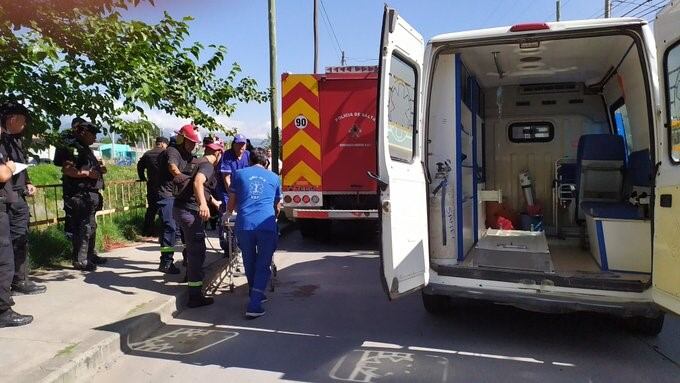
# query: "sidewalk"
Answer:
x=66 y=341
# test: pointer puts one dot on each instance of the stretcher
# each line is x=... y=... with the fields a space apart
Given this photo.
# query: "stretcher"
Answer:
x=230 y=265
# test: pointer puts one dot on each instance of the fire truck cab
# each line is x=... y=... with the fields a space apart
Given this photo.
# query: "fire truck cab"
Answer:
x=589 y=111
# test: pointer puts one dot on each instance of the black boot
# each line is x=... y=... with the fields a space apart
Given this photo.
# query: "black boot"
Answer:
x=168 y=267
x=196 y=298
x=10 y=318
x=85 y=266
x=27 y=287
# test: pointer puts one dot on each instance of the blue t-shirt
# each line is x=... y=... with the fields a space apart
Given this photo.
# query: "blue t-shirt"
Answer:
x=229 y=164
x=256 y=189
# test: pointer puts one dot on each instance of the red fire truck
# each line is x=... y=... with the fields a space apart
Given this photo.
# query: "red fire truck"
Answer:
x=329 y=146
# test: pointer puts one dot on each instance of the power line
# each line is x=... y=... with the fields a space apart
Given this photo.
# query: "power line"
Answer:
x=653 y=10
x=634 y=8
x=328 y=28
x=325 y=13
x=650 y=8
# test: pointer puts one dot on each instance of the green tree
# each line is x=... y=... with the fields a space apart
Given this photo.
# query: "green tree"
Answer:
x=80 y=57
x=133 y=132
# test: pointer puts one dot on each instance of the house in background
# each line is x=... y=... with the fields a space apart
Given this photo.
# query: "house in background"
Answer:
x=121 y=153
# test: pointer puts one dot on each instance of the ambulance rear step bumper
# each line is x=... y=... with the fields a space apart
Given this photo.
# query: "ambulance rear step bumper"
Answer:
x=549 y=303
x=334 y=214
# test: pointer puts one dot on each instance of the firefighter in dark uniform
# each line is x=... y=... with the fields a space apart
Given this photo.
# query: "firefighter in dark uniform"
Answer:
x=13 y=118
x=8 y=317
x=191 y=209
x=174 y=162
x=83 y=179
x=147 y=169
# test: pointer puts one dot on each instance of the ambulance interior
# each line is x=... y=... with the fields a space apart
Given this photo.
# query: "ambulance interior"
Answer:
x=550 y=172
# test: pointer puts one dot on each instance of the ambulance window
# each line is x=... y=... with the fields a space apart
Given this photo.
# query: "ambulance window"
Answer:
x=524 y=132
x=672 y=73
x=619 y=116
x=401 y=116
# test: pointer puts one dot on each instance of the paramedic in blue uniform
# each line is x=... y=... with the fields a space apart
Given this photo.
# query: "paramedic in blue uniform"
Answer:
x=255 y=195
x=8 y=317
x=191 y=211
x=82 y=182
x=237 y=157
x=13 y=118
x=173 y=162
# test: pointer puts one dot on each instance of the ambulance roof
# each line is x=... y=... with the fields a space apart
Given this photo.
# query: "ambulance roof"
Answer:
x=554 y=26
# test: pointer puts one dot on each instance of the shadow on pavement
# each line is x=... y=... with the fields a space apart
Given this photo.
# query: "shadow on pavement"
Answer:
x=330 y=321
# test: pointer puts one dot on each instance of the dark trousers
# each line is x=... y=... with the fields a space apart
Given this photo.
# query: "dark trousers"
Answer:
x=18 y=226
x=6 y=260
x=168 y=235
x=151 y=210
x=258 y=248
x=84 y=206
x=194 y=233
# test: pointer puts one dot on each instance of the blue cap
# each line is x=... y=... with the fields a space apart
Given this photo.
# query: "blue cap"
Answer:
x=239 y=139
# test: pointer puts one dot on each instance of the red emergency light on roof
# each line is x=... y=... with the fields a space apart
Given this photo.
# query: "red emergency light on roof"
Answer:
x=529 y=27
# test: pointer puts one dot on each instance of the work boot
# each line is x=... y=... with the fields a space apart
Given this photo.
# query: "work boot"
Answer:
x=168 y=267
x=85 y=266
x=196 y=298
x=27 y=288
x=10 y=318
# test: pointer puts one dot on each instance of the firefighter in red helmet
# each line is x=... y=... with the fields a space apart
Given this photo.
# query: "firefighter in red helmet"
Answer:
x=173 y=164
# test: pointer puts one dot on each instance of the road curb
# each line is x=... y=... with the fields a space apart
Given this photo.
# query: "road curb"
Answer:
x=83 y=359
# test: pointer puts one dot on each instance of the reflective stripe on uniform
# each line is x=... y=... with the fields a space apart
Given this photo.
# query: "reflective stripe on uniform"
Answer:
x=195 y=284
x=167 y=249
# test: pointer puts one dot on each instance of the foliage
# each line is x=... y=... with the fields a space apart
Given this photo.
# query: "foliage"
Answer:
x=48 y=174
x=112 y=231
x=136 y=131
x=52 y=238
x=80 y=57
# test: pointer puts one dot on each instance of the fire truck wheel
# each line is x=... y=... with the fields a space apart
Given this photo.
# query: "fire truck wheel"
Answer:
x=435 y=304
x=307 y=228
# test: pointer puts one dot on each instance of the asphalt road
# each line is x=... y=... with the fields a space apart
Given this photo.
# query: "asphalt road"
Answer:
x=329 y=321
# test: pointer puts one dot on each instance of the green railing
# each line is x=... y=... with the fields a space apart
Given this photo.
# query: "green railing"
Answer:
x=47 y=205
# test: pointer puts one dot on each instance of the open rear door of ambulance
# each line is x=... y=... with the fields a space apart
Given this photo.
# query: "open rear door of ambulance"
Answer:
x=403 y=198
x=666 y=271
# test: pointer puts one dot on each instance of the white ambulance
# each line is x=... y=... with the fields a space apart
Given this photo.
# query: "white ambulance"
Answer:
x=586 y=113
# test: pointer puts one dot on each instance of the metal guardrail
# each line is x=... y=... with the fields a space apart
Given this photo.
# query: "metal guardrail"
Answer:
x=47 y=205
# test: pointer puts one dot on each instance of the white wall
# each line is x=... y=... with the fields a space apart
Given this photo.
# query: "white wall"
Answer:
x=506 y=159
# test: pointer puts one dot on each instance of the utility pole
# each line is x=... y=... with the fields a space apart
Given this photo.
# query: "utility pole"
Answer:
x=557 y=10
x=342 y=59
x=273 y=81
x=316 y=36
x=607 y=9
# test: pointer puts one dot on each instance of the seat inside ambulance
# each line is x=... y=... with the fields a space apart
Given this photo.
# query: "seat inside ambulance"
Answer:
x=551 y=165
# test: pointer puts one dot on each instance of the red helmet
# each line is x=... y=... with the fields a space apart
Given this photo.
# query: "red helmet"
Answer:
x=190 y=132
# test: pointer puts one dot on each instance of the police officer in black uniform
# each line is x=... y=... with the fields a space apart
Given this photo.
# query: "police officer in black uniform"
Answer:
x=83 y=179
x=148 y=170
x=13 y=119
x=8 y=317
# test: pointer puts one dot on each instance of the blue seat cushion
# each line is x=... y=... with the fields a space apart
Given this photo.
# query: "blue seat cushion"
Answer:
x=613 y=210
